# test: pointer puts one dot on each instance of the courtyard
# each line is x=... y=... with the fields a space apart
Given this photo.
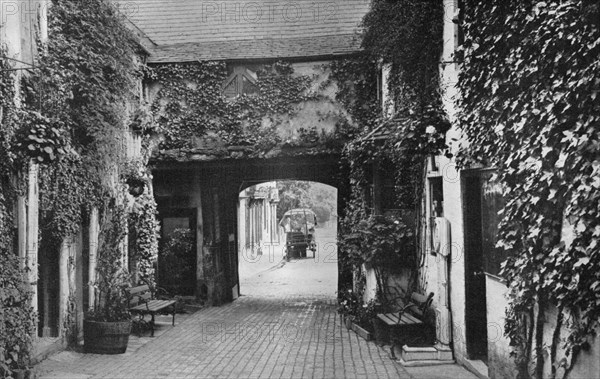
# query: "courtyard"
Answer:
x=278 y=328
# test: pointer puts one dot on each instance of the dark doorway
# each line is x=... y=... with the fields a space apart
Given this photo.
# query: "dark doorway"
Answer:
x=177 y=252
x=48 y=291
x=475 y=291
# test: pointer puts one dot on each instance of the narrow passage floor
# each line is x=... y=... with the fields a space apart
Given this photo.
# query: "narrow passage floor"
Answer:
x=276 y=330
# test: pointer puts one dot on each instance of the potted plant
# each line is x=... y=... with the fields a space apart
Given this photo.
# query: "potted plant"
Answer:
x=17 y=318
x=362 y=324
x=40 y=138
x=135 y=175
x=384 y=244
x=107 y=326
x=348 y=304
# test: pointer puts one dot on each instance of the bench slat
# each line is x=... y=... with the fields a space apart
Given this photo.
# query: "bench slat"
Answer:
x=414 y=309
x=153 y=306
x=145 y=296
x=391 y=319
x=412 y=319
x=385 y=318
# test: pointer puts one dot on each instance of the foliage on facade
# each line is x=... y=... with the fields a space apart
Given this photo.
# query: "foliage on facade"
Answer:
x=357 y=80
x=530 y=108
x=82 y=90
x=72 y=121
x=17 y=319
x=7 y=154
x=143 y=237
x=112 y=281
x=190 y=104
x=407 y=37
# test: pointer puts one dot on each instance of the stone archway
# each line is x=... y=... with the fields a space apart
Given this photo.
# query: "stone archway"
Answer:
x=210 y=189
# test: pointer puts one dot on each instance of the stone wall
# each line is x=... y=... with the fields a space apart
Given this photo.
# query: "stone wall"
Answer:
x=500 y=363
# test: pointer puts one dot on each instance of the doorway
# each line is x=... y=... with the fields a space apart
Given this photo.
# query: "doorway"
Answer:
x=475 y=285
x=177 y=252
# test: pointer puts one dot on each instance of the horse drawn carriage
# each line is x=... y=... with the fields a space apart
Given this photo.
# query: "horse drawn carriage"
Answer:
x=299 y=226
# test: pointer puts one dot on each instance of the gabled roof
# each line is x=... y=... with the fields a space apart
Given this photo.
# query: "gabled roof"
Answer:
x=192 y=30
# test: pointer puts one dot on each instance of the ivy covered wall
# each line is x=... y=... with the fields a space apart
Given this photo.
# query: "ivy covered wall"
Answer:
x=290 y=105
x=529 y=108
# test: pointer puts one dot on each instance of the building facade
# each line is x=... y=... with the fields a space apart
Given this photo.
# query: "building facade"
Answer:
x=258 y=227
x=461 y=266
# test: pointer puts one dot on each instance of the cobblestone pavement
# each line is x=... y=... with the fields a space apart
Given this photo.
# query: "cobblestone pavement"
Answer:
x=275 y=331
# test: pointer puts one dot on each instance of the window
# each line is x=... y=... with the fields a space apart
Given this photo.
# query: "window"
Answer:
x=241 y=81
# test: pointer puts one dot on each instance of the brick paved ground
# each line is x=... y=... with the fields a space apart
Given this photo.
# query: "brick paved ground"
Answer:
x=277 y=330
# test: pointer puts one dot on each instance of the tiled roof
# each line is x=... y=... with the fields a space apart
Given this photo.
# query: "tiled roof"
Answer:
x=190 y=30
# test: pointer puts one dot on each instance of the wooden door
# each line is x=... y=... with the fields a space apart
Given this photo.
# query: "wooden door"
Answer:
x=475 y=286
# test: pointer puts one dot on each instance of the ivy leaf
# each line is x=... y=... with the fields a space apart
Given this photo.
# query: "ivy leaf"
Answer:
x=581 y=227
x=581 y=262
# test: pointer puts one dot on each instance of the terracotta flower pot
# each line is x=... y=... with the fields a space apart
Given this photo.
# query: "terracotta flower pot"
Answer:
x=106 y=337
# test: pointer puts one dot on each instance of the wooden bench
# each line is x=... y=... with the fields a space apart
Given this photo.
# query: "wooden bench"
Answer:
x=409 y=324
x=141 y=303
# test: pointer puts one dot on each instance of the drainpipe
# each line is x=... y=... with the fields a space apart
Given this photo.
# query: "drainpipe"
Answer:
x=32 y=232
x=93 y=253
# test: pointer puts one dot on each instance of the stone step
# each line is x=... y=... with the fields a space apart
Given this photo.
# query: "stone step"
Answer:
x=427 y=355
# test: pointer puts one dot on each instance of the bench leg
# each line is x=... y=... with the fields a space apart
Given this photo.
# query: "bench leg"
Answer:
x=392 y=349
x=173 y=315
x=152 y=326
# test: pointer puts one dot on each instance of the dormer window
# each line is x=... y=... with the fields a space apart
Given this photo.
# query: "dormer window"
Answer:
x=241 y=81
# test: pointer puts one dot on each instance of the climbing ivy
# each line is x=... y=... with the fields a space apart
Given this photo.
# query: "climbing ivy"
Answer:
x=7 y=154
x=76 y=104
x=190 y=104
x=143 y=237
x=356 y=79
x=530 y=108
x=17 y=318
x=407 y=37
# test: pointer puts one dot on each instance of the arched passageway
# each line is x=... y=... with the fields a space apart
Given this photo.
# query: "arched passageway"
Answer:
x=203 y=196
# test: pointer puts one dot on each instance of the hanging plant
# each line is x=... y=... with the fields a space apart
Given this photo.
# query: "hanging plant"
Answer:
x=40 y=138
x=135 y=175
